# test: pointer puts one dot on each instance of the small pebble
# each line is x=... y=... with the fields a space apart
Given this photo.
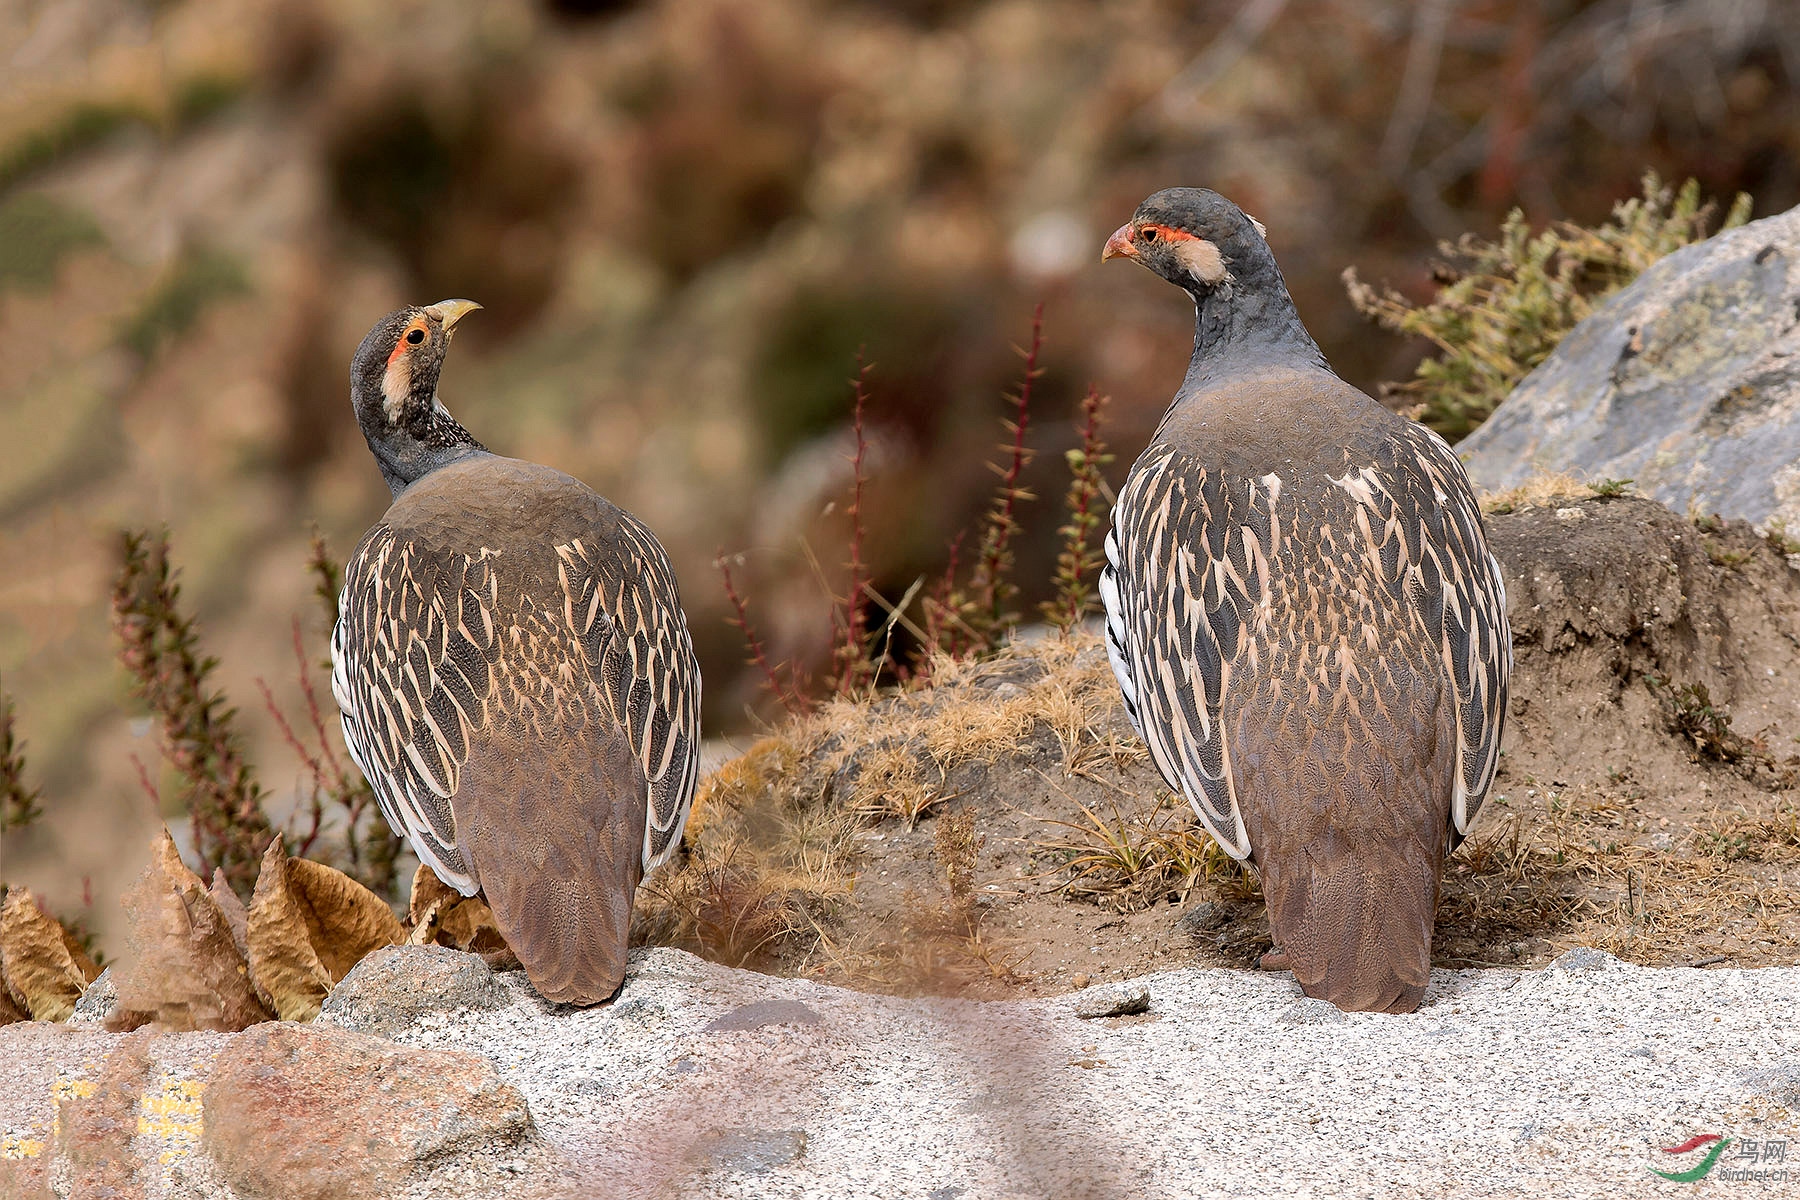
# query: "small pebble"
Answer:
x=1584 y=958
x=1309 y=1010
x=1119 y=1000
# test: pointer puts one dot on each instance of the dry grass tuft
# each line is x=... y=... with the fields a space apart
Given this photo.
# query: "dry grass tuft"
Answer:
x=1131 y=860
x=1570 y=875
x=1549 y=488
x=772 y=845
x=1690 y=713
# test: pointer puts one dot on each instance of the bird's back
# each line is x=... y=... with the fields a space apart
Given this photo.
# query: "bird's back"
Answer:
x=522 y=693
x=1297 y=514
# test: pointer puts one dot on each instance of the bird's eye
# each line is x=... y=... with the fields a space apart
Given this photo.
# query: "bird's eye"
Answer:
x=1149 y=235
x=415 y=336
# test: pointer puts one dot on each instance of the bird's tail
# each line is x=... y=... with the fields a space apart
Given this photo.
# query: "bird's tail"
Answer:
x=1354 y=922
x=559 y=856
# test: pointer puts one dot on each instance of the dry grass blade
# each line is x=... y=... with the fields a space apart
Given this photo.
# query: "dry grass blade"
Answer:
x=45 y=969
x=184 y=970
x=308 y=925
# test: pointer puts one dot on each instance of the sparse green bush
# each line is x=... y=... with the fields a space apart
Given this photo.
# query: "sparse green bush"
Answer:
x=194 y=283
x=1078 y=566
x=36 y=233
x=18 y=801
x=1503 y=306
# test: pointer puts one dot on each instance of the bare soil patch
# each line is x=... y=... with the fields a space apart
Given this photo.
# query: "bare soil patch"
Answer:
x=1000 y=830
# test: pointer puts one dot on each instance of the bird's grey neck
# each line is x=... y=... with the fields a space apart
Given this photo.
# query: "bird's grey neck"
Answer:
x=405 y=459
x=1239 y=327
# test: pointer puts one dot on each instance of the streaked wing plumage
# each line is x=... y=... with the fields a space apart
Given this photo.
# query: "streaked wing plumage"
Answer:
x=1419 y=516
x=1186 y=573
x=647 y=666
x=436 y=648
x=1188 y=583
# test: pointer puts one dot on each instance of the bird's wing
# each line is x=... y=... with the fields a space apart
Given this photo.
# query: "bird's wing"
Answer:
x=1187 y=567
x=413 y=664
x=1423 y=526
x=647 y=669
x=423 y=662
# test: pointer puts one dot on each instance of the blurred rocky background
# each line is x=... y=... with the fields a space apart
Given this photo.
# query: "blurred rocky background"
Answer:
x=684 y=218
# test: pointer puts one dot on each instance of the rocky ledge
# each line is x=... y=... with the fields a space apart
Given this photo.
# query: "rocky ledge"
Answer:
x=701 y=1080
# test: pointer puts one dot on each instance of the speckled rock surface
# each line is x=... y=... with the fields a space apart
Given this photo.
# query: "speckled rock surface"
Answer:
x=705 y=1081
x=1687 y=382
x=396 y=985
x=97 y=1002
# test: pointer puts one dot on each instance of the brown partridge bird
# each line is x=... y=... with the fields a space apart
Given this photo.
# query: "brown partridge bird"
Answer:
x=514 y=671
x=1304 y=619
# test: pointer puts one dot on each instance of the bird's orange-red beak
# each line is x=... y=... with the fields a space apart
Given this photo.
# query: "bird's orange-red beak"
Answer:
x=1119 y=244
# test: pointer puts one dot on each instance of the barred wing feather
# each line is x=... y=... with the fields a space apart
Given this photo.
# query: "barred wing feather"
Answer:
x=433 y=650
x=1186 y=571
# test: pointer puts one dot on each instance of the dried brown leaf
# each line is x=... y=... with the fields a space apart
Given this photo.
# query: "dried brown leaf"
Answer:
x=428 y=889
x=184 y=970
x=426 y=925
x=442 y=915
x=38 y=959
x=236 y=915
x=309 y=924
x=469 y=925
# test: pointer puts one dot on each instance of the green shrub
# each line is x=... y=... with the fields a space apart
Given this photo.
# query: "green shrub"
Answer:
x=35 y=234
x=194 y=284
x=1503 y=306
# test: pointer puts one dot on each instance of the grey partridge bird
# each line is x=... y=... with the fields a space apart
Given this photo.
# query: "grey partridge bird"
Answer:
x=515 y=673
x=1304 y=618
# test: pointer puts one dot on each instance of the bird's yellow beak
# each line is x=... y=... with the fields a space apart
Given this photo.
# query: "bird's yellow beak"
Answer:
x=1119 y=244
x=449 y=312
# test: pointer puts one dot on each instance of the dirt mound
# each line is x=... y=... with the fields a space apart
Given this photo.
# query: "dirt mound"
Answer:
x=1002 y=828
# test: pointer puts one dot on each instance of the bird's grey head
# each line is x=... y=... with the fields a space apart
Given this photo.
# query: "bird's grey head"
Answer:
x=394 y=377
x=393 y=385
x=1194 y=238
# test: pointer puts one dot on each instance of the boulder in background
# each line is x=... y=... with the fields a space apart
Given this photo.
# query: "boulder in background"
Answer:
x=1687 y=383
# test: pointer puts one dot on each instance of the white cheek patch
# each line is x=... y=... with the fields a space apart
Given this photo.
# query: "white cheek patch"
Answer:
x=396 y=386
x=1202 y=260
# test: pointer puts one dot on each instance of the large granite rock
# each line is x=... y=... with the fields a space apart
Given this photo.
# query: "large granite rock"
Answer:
x=1687 y=382
x=296 y=1112
x=395 y=986
x=704 y=1081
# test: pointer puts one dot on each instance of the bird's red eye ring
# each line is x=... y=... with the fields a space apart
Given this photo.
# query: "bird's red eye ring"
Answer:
x=415 y=335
